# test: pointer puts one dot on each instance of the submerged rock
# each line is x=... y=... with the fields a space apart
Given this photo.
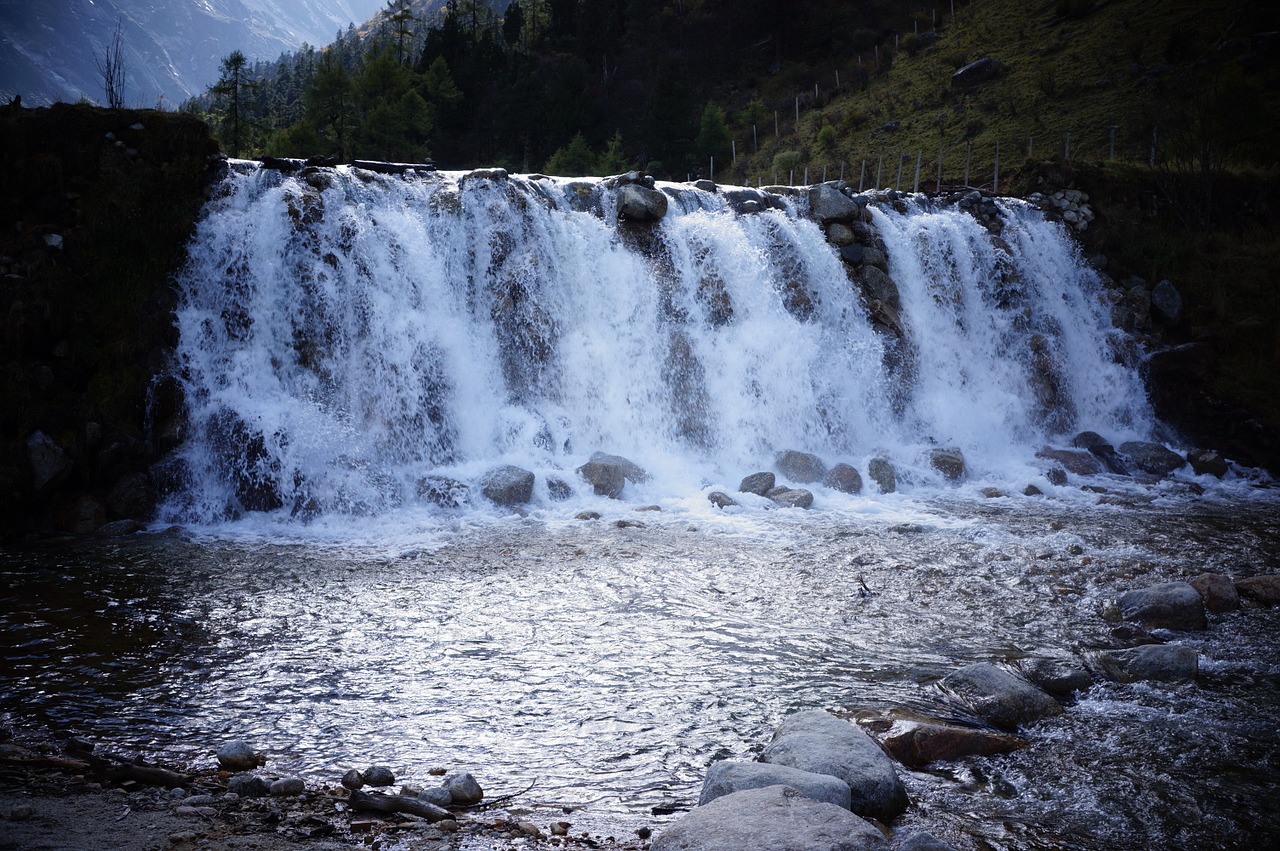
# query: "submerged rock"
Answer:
x=922 y=841
x=1168 y=663
x=237 y=756
x=917 y=740
x=1060 y=676
x=1261 y=589
x=801 y=467
x=880 y=471
x=757 y=483
x=1152 y=457
x=998 y=697
x=443 y=491
x=720 y=499
x=607 y=474
x=728 y=776
x=1207 y=462
x=775 y=817
x=791 y=497
x=1075 y=461
x=1218 y=592
x=1169 y=605
x=949 y=462
x=818 y=742
x=507 y=485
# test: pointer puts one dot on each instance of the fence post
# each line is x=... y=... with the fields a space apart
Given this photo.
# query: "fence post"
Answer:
x=806 y=176
x=897 y=184
x=734 y=143
x=815 y=94
x=919 y=159
x=968 y=150
x=939 y=186
x=995 y=182
x=1028 y=147
x=824 y=174
x=755 y=141
x=797 y=113
x=842 y=171
x=837 y=78
x=713 y=169
x=879 y=163
x=791 y=177
x=862 y=176
x=1111 y=132
x=1066 y=146
x=775 y=124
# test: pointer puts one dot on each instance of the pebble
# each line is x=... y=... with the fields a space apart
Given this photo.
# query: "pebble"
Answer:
x=207 y=812
x=353 y=780
x=288 y=786
x=528 y=828
x=177 y=794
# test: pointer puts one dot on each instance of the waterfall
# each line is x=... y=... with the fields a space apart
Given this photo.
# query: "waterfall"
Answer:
x=351 y=343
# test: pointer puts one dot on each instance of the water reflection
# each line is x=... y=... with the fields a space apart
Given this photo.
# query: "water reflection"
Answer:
x=614 y=665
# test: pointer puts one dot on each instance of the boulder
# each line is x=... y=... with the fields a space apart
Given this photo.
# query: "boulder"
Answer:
x=800 y=467
x=438 y=796
x=638 y=203
x=727 y=776
x=50 y=465
x=720 y=499
x=1056 y=476
x=1075 y=461
x=507 y=485
x=236 y=756
x=1263 y=589
x=916 y=740
x=378 y=775
x=775 y=817
x=922 y=841
x=949 y=462
x=828 y=204
x=1218 y=592
x=880 y=471
x=1166 y=663
x=1166 y=302
x=1088 y=440
x=287 y=786
x=852 y=253
x=463 y=788
x=818 y=742
x=607 y=474
x=878 y=286
x=844 y=478
x=1152 y=457
x=757 y=483
x=558 y=489
x=978 y=72
x=1169 y=605
x=997 y=696
x=132 y=496
x=839 y=234
x=1060 y=676
x=80 y=515
x=443 y=491
x=248 y=785
x=791 y=497
x=1207 y=462
x=1110 y=459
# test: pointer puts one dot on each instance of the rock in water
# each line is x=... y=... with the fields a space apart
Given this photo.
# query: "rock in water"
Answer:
x=1165 y=663
x=463 y=788
x=1152 y=457
x=720 y=499
x=775 y=817
x=918 y=740
x=791 y=497
x=607 y=474
x=949 y=462
x=1056 y=675
x=1169 y=605
x=844 y=478
x=638 y=203
x=353 y=780
x=818 y=742
x=1207 y=462
x=1218 y=592
x=882 y=473
x=379 y=775
x=1263 y=589
x=828 y=204
x=997 y=696
x=758 y=483
x=507 y=485
x=237 y=756
x=727 y=776
x=922 y=841
x=801 y=467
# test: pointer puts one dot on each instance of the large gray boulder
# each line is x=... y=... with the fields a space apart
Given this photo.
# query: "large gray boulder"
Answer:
x=1218 y=592
x=997 y=696
x=828 y=204
x=1264 y=589
x=1152 y=457
x=607 y=474
x=1208 y=462
x=791 y=497
x=800 y=467
x=757 y=483
x=1077 y=462
x=843 y=477
x=775 y=817
x=464 y=791
x=1165 y=663
x=726 y=777
x=880 y=471
x=818 y=742
x=638 y=203
x=949 y=462
x=507 y=485
x=878 y=286
x=1058 y=675
x=1169 y=605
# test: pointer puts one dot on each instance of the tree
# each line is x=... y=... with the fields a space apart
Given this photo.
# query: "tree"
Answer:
x=512 y=24
x=233 y=84
x=713 y=135
x=613 y=160
x=400 y=13
x=328 y=100
x=574 y=160
x=111 y=68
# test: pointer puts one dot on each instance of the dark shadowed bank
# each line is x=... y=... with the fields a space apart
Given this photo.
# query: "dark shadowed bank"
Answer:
x=98 y=205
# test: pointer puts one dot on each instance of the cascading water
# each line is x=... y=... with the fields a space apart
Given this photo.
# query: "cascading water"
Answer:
x=348 y=339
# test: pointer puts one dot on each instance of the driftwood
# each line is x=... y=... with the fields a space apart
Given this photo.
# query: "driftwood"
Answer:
x=115 y=770
x=373 y=802
x=45 y=763
x=392 y=168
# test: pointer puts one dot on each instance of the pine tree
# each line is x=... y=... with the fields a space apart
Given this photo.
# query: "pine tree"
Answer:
x=234 y=84
x=328 y=100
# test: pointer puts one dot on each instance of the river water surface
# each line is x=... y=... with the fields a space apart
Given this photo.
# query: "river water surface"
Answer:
x=613 y=665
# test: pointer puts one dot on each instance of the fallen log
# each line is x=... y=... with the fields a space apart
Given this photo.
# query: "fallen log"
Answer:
x=373 y=802
x=392 y=168
x=119 y=771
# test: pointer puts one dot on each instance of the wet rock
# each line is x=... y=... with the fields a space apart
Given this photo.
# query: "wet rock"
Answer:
x=353 y=780
x=852 y=254
x=844 y=478
x=1167 y=663
x=236 y=756
x=800 y=467
x=878 y=286
x=776 y=817
x=818 y=742
x=1032 y=490
x=132 y=496
x=922 y=841
x=638 y=203
x=439 y=796
x=916 y=740
x=998 y=697
x=1207 y=462
x=1152 y=457
x=1166 y=302
x=249 y=786
x=791 y=497
x=287 y=786
x=720 y=499
x=1059 y=676
x=727 y=777
x=463 y=788
x=840 y=235
x=1110 y=459
x=378 y=775
x=507 y=485
x=80 y=515
x=1218 y=592
x=21 y=812
x=880 y=471
x=1075 y=461
x=828 y=204
x=1088 y=440
x=1261 y=589
x=757 y=483
x=587 y=515
x=993 y=493
x=1169 y=605
x=50 y=465
x=443 y=491
x=607 y=474
x=978 y=72
x=558 y=489
x=1056 y=476
x=949 y=462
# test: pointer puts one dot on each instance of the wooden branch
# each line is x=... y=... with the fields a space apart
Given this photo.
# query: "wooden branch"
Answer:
x=374 y=802
x=118 y=772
